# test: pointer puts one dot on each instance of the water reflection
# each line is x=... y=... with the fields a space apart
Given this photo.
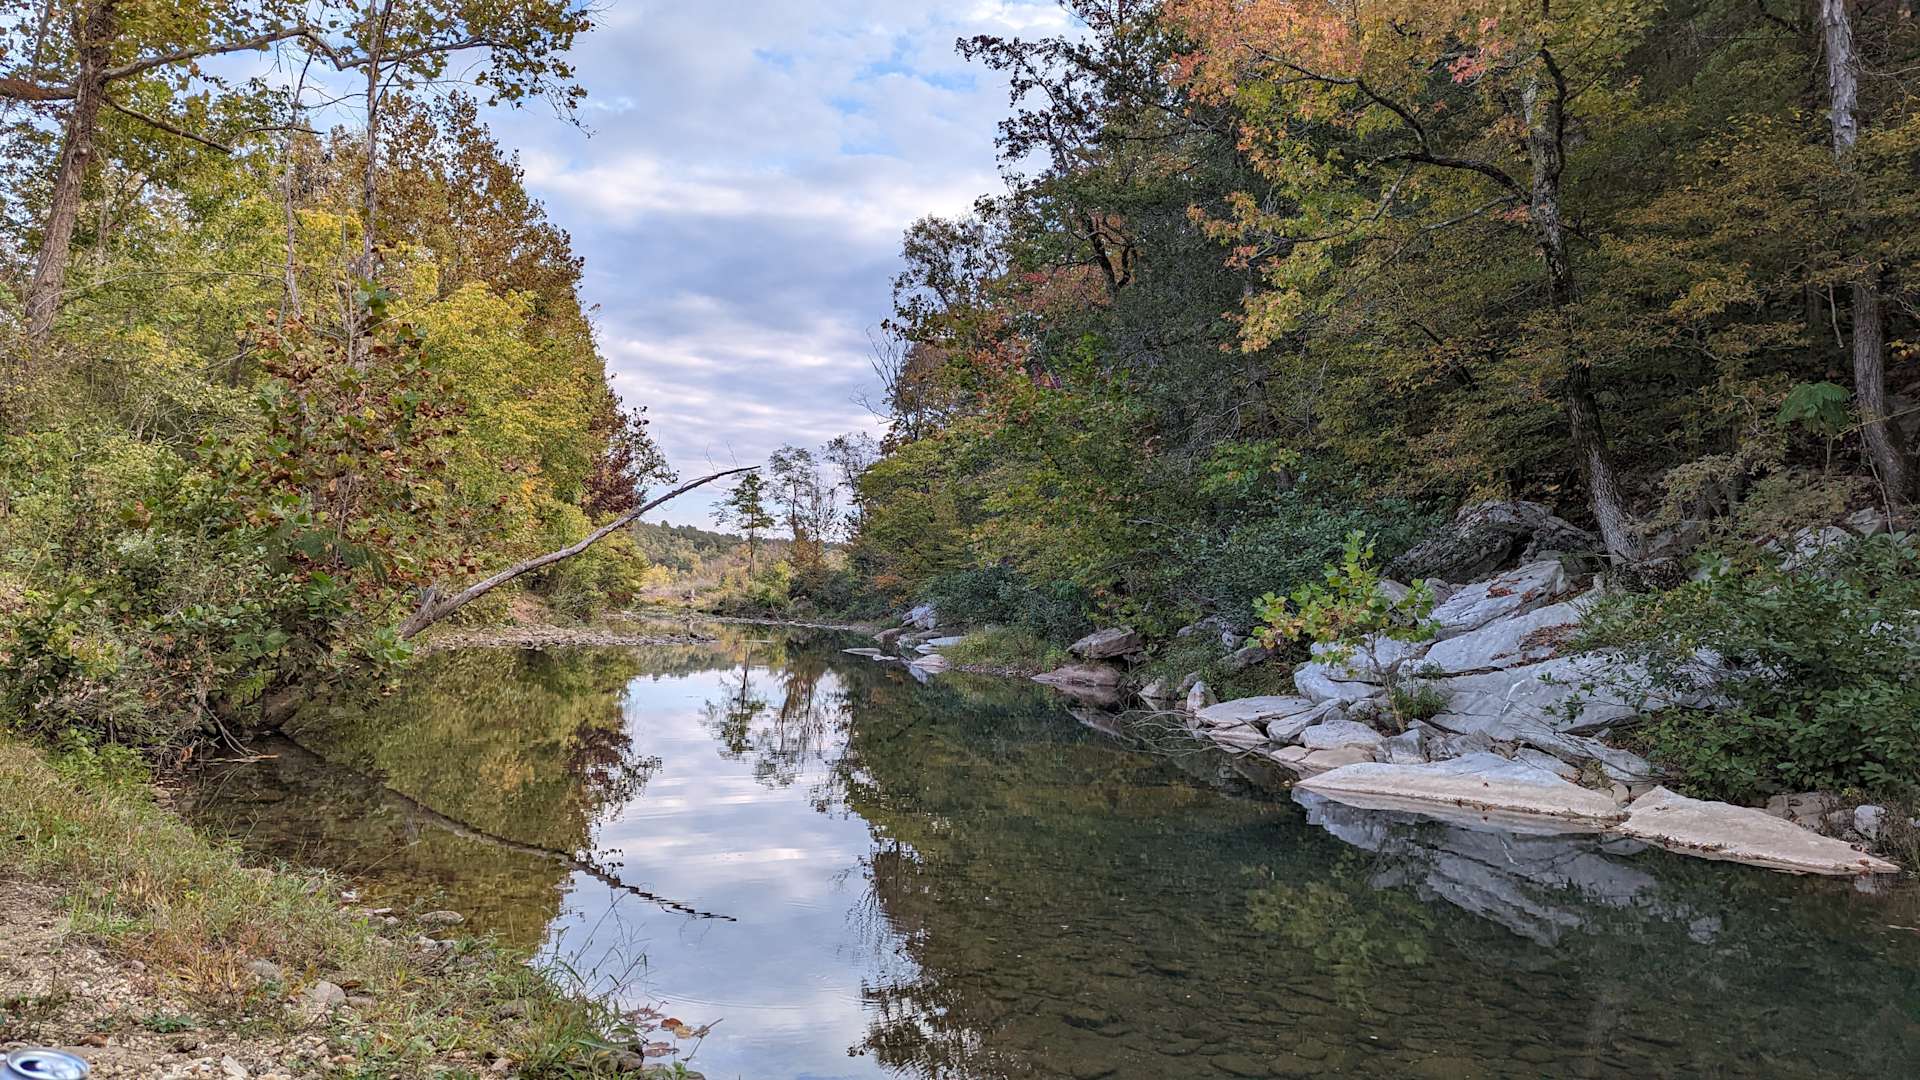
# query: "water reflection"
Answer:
x=958 y=880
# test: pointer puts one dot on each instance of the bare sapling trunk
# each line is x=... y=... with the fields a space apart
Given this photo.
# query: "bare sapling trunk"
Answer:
x=435 y=606
x=1542 y=107
x=96 y=25
x=1886 y=451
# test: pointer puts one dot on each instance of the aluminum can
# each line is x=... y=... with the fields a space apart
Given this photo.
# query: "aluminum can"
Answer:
x=43 y=1065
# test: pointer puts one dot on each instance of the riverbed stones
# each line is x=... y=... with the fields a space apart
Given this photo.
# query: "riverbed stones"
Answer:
x=1483 y=781
x=1334 y=734
x=1742 y=834
x=319 y=999
x=1514 y=593
x=1107 y=644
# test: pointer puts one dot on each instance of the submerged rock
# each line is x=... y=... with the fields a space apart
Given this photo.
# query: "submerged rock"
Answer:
x=1713 y=830
x=1483 y=782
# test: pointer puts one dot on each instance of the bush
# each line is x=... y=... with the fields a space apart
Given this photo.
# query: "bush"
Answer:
x=1283 y=545
x=1008 y=648
x=1818 y=670
x=998 y=595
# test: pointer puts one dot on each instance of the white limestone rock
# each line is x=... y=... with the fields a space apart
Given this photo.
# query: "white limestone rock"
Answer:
x=1316 y=681
x=1484 y=782
x=1714 y=830
x=1106 y=644
x=1513 y=593
x=1527 y=638
x=1334 y=734
x=1371 y=660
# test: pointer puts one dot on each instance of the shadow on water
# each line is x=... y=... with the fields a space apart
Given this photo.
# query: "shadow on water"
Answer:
x=957 y=879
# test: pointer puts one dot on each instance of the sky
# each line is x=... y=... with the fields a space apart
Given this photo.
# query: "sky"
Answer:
x=739 y=194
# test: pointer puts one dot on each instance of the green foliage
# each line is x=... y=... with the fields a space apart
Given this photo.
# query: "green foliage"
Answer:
x=998 y=595
x=1348 y=607
x=1820 y=407
x=1007 y=648
x=1814 y=671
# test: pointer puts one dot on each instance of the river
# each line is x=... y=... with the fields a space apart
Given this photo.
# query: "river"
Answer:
x=862 y=875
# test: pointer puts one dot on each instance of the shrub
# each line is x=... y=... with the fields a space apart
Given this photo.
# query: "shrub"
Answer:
x=1347 y=606
x=1007 y=647
x=1817 y=670
x=998 y=595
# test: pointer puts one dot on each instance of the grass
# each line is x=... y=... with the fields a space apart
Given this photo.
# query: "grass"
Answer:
x=1007 y=649
x=144 y=885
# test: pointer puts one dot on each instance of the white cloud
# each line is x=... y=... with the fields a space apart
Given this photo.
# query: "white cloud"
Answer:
x=740 y=194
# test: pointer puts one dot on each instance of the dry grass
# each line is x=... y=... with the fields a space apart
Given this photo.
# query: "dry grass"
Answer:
x=140 y=883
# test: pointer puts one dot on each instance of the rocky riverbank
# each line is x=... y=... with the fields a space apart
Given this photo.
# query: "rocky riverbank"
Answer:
x=1490 y=715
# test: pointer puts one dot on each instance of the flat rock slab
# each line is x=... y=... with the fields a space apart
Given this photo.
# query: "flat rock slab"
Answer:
x=1523 y=639
x=870 y=653
x=1306 y=763
x=1334 y=734
x=1513 y=593
x=1486 y=782
x=1712 y=830
x=1583 y=692
x=1245 y=737
x=1283 y=717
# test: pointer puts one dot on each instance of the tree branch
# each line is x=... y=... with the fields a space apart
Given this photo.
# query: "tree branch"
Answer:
x=434 y=607
x=167 y=127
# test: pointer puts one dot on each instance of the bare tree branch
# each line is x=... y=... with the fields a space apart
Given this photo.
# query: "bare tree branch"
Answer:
x=434 y=607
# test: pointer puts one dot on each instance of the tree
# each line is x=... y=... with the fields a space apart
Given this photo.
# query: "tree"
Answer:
x=1886 y=451
x=1386 y=122
x=107 y=43
x=745 y=509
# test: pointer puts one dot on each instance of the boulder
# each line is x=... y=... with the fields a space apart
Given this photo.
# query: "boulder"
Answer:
x=1082 y=675
x=1510 y=642
x=1334 y=734
x=1242 y=659
x=1868 y=522
x=1187 y=681
x=1484 y=537
x=1156 y=691
x=1370 y=660
x=922 y=617
x=1868 y=819
x=1714 y=830
x=1316 y=681
x=1199 y=697
x=1106 y=644
x=1808 y=546
x=1584 y=692
x=319 y=999
x=887 y=638
x=1485 y=782
x=1212 y=626
x=1516 y=592
x=1407 y=748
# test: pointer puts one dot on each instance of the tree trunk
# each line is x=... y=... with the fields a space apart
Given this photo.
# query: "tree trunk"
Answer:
x=96 y=25
x=1542 y=110
x=435 y=607
x=1885 y=450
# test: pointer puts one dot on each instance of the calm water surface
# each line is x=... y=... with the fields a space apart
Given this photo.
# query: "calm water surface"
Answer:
x=865 y=876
